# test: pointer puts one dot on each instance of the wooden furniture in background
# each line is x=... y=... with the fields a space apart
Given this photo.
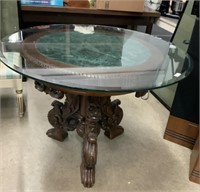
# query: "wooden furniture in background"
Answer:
x=181 y=131
x=183 y=123
x=37 y=15
x=195 y=163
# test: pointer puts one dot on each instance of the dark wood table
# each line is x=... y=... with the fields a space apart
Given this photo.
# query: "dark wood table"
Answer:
x=71 y=15
x=87 y=65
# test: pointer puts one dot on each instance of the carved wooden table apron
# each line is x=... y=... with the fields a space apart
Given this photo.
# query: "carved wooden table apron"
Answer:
x=88 y=113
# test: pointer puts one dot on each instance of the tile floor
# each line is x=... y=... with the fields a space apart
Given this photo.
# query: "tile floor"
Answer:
x=139 y=160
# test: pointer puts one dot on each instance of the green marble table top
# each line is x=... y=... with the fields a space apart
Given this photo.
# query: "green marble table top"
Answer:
x=97 y=58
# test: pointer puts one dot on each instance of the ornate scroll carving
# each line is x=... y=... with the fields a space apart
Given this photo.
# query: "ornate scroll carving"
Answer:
x=100 y=113
x=56 y=120
x=52 y=92
x=89 y=150
x=111 y=118
x=63 y=117
x=86 y=114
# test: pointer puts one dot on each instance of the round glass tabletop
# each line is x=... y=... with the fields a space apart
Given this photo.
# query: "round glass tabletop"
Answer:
x=94 y=57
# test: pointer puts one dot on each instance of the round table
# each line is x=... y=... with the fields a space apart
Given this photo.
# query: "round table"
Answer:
x=87 y=64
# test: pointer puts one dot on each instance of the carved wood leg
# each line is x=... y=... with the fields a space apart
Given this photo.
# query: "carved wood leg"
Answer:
x=89 y=130
x=56 y=120
x=111 y=118
x=89 y=159
x=97 y=113
x=64 y=116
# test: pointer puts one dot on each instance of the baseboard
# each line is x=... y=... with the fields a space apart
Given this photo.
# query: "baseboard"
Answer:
x=194 y=175
x=181 y=132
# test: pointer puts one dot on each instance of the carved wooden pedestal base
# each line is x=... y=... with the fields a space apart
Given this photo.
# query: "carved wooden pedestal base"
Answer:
x=88 y=115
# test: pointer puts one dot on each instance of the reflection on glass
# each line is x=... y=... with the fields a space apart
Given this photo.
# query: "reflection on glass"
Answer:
x=96 y=57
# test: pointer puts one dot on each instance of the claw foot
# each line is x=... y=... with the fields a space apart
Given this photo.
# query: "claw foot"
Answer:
x=87 y=176
x=57 y=134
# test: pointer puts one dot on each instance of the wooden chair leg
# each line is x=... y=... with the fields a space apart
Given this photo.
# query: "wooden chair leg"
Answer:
x=20 y=102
